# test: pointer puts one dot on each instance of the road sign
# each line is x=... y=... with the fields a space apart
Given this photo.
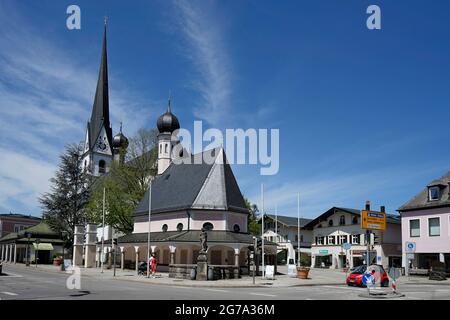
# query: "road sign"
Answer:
x=373 y=220
x=323 y=251
x=269 y=272
x=368 y=279
x=410 y=256
x=410 y=247
x=346 y=246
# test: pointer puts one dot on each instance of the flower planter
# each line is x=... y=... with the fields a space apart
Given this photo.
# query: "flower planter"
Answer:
x=302 y=272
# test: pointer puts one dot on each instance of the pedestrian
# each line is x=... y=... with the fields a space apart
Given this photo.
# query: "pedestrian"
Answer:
x=153 y=264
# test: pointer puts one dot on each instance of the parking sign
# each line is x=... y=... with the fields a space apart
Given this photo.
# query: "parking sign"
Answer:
x=410 y=247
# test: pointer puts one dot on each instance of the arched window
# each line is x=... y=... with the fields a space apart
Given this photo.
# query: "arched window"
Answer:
x=342 y=220
x=179 y=227
x=101 y=166
x=160 y=148
x=355 y=220
x=236 y=228
x=330 y=222
x=165 y=147
x=164 y=227
x=208 y=226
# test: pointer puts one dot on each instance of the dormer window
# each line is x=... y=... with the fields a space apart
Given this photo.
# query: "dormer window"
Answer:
x=433 y=193
x=330 y=223
x=342 y=220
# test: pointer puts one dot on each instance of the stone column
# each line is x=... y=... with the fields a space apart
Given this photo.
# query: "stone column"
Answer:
x=236 y=263
x=1 y=253
x=136 y=249
x=172 y=254
x=78 y=243
x=90 y=245
x=122 y=258
x=10 y=259
x=15 y=253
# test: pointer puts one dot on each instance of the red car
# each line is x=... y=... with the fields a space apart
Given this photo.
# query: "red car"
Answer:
x=355 y=277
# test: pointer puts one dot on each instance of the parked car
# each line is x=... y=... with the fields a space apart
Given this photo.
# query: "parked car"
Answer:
x=378 y=272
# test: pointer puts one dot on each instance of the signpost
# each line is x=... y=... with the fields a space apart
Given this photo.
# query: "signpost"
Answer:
x=346 y=246
x=410 y=249
x=373 y=220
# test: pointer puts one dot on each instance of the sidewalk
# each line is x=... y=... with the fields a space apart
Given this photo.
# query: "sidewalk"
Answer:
x=317 y=277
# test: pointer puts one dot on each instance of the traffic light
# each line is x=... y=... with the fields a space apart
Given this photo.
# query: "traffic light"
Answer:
x=114 y=241
x=375 y=238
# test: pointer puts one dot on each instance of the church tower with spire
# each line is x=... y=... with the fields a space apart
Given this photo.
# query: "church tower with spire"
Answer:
x=98 y=153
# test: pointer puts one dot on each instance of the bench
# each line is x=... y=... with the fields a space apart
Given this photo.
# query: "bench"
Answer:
x=419 y=272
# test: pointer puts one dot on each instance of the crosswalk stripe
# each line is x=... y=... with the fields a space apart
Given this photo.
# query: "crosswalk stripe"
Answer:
x=263 y=294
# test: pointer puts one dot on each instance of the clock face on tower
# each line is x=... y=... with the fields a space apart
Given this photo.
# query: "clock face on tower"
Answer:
x=102 y=145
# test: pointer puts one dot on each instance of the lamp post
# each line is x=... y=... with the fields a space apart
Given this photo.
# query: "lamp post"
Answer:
x=149 y=228
x=36 y=257
x=63 y=236
x=28 y=250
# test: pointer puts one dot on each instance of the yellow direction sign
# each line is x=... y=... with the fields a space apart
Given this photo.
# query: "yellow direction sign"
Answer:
x=373 y=220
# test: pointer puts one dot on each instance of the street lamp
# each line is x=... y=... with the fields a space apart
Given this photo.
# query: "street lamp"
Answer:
x=64 y=237
x=36 y=257
x=28 y=249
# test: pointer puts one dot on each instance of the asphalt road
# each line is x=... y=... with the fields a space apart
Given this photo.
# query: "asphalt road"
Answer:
x=22 y=284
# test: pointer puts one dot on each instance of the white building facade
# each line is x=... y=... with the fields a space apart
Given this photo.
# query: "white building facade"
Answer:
x=342 y=225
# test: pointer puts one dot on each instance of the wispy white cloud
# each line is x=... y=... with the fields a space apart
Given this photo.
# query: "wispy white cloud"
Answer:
x=204 y=46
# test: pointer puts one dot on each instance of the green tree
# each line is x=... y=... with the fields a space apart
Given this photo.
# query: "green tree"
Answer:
x=64 y=206
x=252 y=223
x=125 y=184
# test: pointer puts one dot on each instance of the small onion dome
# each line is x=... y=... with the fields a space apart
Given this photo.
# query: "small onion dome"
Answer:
x=119 y=140
x=167 y=122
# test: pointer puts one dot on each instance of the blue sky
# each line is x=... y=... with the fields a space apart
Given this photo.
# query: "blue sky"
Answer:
x=362 y=114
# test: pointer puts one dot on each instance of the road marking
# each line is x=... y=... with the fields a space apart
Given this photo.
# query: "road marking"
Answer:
x=182 y=287
x=263 y=294
x=217 y=290
x=9 y=293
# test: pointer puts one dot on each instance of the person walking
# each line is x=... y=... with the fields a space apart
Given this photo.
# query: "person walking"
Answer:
x=153 y=264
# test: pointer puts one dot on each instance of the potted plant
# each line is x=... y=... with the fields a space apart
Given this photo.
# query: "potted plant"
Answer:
x=302 y=269
x=57 y=260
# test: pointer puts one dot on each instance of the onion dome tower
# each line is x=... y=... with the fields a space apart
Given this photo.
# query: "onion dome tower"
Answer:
x=120 y=145
x=167 y=124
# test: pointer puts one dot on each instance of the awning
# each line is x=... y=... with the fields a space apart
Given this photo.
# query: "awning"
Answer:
x=43 y=246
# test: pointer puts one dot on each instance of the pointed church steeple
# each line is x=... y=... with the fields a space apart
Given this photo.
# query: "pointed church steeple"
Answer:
x=100 y=108
x=98 y=153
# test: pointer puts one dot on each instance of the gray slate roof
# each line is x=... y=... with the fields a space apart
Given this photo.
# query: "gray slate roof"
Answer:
x=289 y=221
x=195 y=186
x=390 y=218
x=189 y=236
x=421 y=201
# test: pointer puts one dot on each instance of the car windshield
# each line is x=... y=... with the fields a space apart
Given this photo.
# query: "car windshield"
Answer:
x=359 y=270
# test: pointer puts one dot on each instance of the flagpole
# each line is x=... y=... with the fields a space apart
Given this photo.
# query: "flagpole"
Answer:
x=298 y=229
x=103 y=230
x=149 y=222
x=276 y=223
x=262 y=229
